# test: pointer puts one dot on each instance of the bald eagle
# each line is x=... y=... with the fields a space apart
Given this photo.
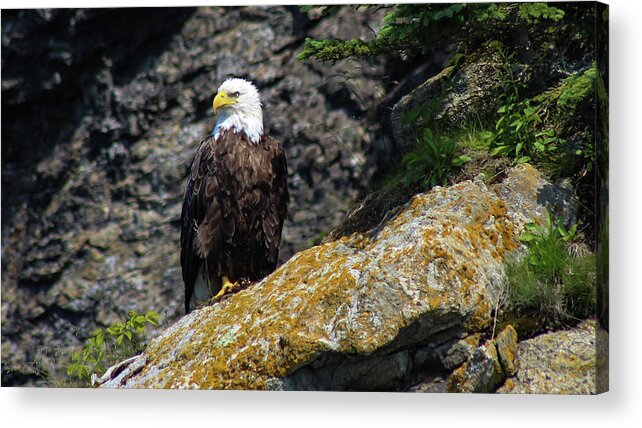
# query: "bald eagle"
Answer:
x=235 y=199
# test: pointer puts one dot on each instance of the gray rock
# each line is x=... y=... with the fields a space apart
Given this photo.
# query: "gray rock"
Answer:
x=403 y=131
x=506 y=343
x=481 y=373
x=562 y=362
x=488 y=365
x=556 y=198
x=470 y=92
x=448 y=355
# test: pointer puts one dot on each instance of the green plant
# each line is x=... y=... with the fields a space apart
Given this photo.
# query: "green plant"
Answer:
x=424 y=112
x=405 y=27
x=576 y=103
x=548 y=282
x=567 y=109
x=335 y=49
x=106 y=347
x=435 y=154
x=492 y=11
x=317 y=239
x=535 y=232
x=575 y=89
x=532 y=12
x=415 y=28
x=431 y=160
x=519 y=133
x=520 y=130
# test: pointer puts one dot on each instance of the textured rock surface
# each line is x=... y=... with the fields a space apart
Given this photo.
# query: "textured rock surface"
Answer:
x=96 y=141
x=506 y=343
x=448 y=355
x=405 y=133
x=350 y=314
x=562 y=362
x=554 y=198
x=488 y=365
x=481 y=373
x=470 y=91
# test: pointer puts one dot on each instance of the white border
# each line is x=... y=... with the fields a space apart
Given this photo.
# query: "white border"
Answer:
x=620 y=407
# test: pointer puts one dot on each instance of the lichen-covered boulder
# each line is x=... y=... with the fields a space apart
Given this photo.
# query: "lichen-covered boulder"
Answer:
x=561 y=362
x=349 y=314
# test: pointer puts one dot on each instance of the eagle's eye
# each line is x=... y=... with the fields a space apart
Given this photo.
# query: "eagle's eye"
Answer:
x=235 y=94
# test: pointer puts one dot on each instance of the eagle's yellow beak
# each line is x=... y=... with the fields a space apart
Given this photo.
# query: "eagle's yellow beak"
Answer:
x=221 y=100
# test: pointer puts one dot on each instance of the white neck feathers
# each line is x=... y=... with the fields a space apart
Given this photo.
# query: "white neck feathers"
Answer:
x=249 y=121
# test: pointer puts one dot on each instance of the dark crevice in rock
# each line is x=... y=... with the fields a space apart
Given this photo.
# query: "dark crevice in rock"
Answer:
x=393 y=368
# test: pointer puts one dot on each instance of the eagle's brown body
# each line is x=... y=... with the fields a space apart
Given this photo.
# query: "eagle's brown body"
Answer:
x=233 y=212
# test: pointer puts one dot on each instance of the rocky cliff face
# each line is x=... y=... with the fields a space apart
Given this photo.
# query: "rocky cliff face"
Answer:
x=394 y=308
x=102 y=112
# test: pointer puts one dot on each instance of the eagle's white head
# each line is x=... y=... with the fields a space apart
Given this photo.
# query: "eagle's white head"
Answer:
x=239 y=107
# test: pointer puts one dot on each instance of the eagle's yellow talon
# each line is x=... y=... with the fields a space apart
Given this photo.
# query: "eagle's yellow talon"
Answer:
x=226 y=288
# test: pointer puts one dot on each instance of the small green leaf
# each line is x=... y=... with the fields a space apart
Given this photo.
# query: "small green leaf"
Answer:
x=518 y=148
x=460 y=160
x=411 y=116
x=527 y=237
x=532 y=226
x=152 y=317
x=500 y=150
x=486 y=135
